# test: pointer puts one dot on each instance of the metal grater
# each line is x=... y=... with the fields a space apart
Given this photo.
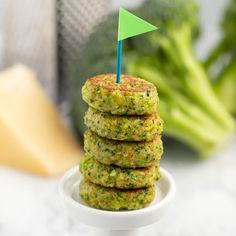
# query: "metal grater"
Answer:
x=75 y=21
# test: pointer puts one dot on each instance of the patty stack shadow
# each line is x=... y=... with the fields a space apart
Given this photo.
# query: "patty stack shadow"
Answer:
x=122 y=145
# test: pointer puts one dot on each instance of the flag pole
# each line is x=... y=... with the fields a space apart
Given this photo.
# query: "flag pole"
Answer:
x=119 y=61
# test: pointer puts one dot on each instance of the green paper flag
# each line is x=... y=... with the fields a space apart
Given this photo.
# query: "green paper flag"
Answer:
x=131 y=25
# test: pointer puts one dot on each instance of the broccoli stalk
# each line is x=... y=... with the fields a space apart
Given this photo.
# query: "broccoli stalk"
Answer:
x=184 y=119
x=221 y=62
x=188 y=106
x=225 y=86
x=178 y=47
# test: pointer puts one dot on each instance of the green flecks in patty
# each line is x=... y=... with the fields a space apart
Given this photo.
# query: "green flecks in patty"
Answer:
x=114 y=199
x=121 y=153
x=129 y=128
x=132 y=96
x=116 y=177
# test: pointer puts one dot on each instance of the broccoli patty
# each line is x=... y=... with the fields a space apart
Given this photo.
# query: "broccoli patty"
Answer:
x=114 y=199
x=132 y=96
x=121 y=153
x=157 y=171
x=116 y=177
x=129 y=128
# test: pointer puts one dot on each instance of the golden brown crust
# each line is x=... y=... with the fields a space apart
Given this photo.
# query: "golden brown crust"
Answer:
x=127 y=83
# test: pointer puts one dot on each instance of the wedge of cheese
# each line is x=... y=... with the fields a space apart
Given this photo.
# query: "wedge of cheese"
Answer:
x=32 y=136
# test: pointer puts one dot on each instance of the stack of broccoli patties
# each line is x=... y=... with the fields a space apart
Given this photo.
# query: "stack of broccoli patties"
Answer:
x=123 y=144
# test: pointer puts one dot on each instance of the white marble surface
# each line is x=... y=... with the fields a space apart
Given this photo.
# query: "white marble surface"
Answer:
x=205 y=204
